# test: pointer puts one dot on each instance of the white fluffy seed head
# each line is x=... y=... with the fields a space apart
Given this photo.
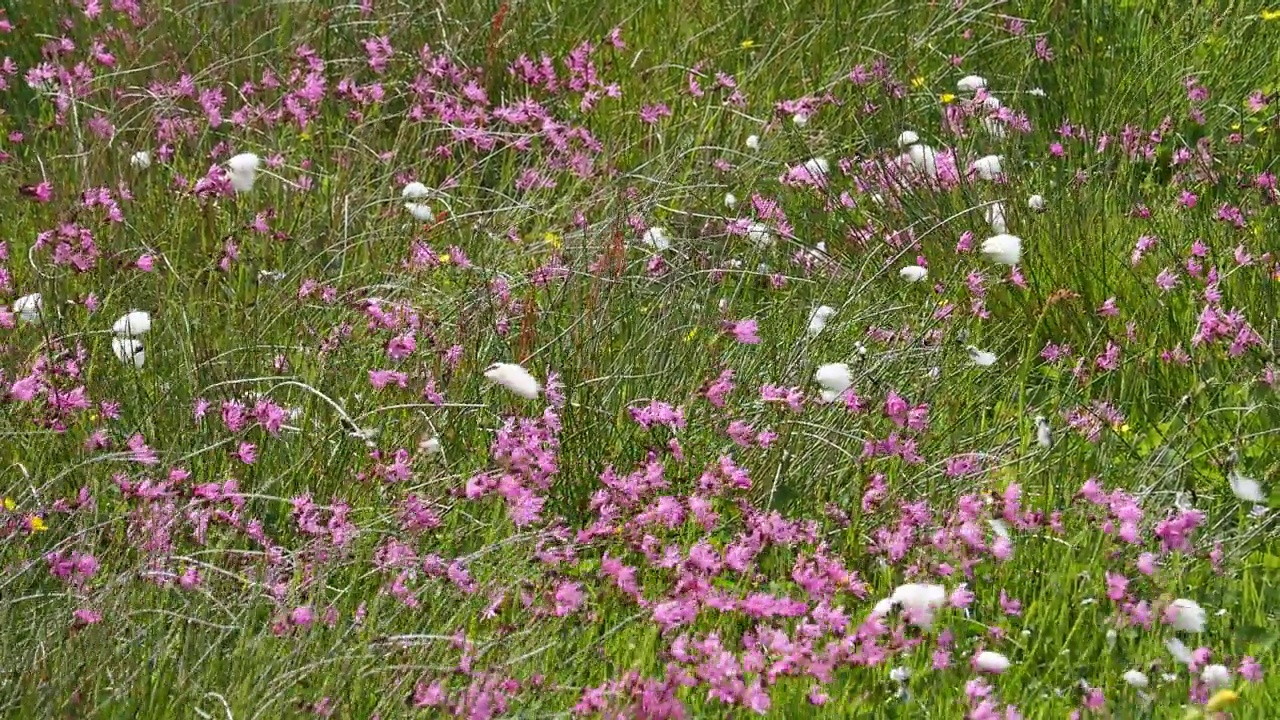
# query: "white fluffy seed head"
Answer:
x=818 y=319
x=414 y=191
x=1036 y=202
x=924 y=159
x=908 y=138
x=656 y=238
x=981 y=358
x=244 y=162
x=243 y=170
x=141 y=160
x=514 y=378
x=1004 y=249
x=994 y=214
x=1246 y=488
x=988 y=661
x=834 y=378
x=988 y=167
x=730 y=200
x=28 y=308
x=1215 y=677
x=132 y=324
x=817 y=166
x=1188 y=616
x=800 y=119
x=753 y=142
x=760 y=235
x=913 y=273
x=971 y=83
x=129 y=351
x=1136 y=678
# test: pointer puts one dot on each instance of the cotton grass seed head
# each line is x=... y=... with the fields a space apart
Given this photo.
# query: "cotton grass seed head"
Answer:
x=132 y=324
x=1004 y=249
x=514 y=378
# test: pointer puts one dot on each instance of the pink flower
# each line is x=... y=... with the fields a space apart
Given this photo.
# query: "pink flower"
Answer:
x=744 y=331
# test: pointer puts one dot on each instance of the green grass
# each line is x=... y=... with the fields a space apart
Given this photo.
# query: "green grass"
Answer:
x=620 y=339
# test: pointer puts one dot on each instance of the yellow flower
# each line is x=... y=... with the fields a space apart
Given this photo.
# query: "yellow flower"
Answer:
x=9 y=504
x=553 y=240
x=947 y=98
x=1271 y=15
x=747 y=44
x=37 y=524
x=917 y=81
x=1125 y=428
x=692 y=334
x=1261 y=129
x=1235 y=126
x=445 y=259
x=1221 y=700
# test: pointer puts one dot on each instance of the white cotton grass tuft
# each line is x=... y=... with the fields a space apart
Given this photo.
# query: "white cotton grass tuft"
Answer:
x=730 y=200
x=981 y=358
x=900 y=674
x=989 y=167
x=753 y=142
x=1044 y=433
x=514 y=378
x=994 y=214
x=760 y=235
x=924 y=159
x=140 y=160
x=913 y=273
x=920 y=602
x=412 y=194
x=132 y=324
x=656 y=238
x=908 y=138
x=1036 y=203
x=800 y=119
x=1004 y=249
x=1179 y=651
x=1246 y=488
x=429 y=444
x=242 y=170
x=818 y=319
x=28 y=308
x=817 y=166
x=1136 y=679
x=991 y=662
x=1186 y=615
x=1215 y=677
x=971 y=83
x=834 y=378
x=129 y=351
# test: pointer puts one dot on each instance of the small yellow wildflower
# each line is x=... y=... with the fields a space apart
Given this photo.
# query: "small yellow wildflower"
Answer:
x=1261 y=129
x=691 y=335
x=37 y=524
x=9 y=504
x=1235 y=126
x=553 y=240
x=1270 y=15
x=947 y=98
x=747 y=44
x=1221 y=700
x=1125 y=428
x=917 y=81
